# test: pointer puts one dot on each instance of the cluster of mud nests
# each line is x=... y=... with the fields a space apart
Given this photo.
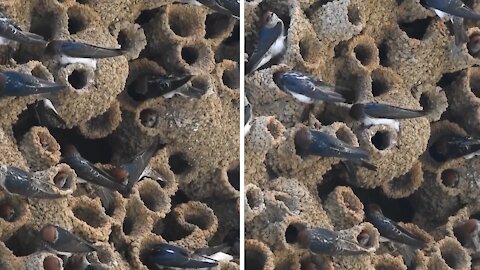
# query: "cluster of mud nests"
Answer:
x=394 y=52
x=196 y=205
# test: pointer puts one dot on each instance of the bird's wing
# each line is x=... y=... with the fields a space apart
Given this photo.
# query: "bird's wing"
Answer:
x=378 y=110
x=336 y=148
x=20 y=84
x=83 y=50
x=68 y=242
x=311 y=87
x=10 y=30
x=267 y=37
x=454 y=7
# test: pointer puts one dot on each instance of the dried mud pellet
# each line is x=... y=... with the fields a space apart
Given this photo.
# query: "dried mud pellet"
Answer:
x=40 y=148
x=258 y=256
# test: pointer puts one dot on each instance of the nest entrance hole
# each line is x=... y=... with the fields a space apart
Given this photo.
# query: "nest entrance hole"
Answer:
x=416 y=29
x=147 y=15
x=291 y=234
x=383 y=51
x=197 y=219
x=364 y=53
x=128 y=225
x=76 y=21
x=380 y=83
x=78 y=79
x=255 y=259
x=182 y=26
x=452 y=255
x=215 y=25
x=381 y=140
x=8 y=212
x=231 y=78
x=179 y=198
x=170 y=230
x=450 y=178
x=149 y=118
x=124 y=39
x=151 y=198
x=179 y=164
x=233 y=175
x=190 y=55
x=88 y=215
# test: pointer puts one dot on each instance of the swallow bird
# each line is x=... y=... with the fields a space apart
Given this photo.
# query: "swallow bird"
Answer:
x=227 y=7
x=468 y=233
x=473 y=45
x=7 y=212
x=248 y=116
x=10 y=31
x=88 y=172
x=370 y=114
x=69 y=52
x=165 y=255
x=390 y=229
x=17 y=181
x=307 y=89
x=314 y=142
x=16 y=84
x=454 y=146
x=137 y=168
x=271 y=42
x=63 y=242
x=455 y=11
x=323 y=241
x=150 y=86
x=47 y=114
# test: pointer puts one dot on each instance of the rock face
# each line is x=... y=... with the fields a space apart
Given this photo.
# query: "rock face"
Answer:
x=197 y=204
x=394 y=52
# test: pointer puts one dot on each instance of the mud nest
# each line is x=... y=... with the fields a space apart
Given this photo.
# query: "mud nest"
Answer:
x=196 y=205
x=395 y=52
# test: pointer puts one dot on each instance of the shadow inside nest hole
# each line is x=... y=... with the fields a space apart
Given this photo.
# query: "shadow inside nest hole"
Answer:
x=395 y=209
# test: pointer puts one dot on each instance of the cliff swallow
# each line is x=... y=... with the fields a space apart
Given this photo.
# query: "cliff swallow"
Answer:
x=10 y=31
x=87 y=172
x=47 y=114
x=468 y=233
x=16 y=84
x=137 y=168
x=150 y=86
x=450 y=178
x=248 y=116
x=63 y=242
x=453 y=146
x=69 y=52
x=271 y=42
x=217 y=253
x=323 y=241
x=390 y=229
x=456 y=11
x=165 y=255
x=227 y=7
x=314 y=142
x=371 y=114
x=80 y=262
x=17 y=181
x=305 y=88
x=7 y=212
x=52 y=263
